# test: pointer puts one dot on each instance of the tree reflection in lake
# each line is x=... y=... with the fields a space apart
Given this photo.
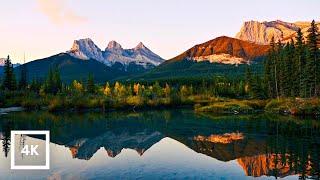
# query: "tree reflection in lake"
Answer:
x=261 y=144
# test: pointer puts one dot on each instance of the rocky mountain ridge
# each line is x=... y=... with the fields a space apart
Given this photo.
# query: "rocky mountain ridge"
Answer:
x=262 y=32
x=114 y=53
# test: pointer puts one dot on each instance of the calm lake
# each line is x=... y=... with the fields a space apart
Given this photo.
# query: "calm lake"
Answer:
x=167 y=144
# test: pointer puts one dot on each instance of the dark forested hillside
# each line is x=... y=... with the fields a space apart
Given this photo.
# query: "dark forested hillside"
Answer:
x=187 y=69
x=71 y=69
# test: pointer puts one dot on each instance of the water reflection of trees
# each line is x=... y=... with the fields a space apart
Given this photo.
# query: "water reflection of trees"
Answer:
x=271 y=145
x=6 y=133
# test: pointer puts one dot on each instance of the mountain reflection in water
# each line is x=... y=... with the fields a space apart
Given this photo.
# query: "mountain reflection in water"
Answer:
x=168 y=144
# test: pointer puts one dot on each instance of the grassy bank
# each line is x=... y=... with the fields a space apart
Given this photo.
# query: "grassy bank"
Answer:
x=290 y=106
x=82 y=101
x=295 y=106
x=201 y=103
x=232 y=106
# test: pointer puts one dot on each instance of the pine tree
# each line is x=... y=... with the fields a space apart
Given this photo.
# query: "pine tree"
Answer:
x=269 y=70
x=157 y=90
x=53 y=83
x=277 y=61
x=9 y=81
x=300 y=62
x=285 y=57
x=292 y=67
x=35 y=85
x=90 y=84
x=313 y=58
x=6 y=138
x=256 y=87
x=23 y=77
x=309 y=82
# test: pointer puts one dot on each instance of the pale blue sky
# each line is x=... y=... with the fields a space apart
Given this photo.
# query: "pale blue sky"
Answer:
x=41 y=28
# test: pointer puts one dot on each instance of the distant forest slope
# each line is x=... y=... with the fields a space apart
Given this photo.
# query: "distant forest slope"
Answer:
x=70 y=69
x=187 y=69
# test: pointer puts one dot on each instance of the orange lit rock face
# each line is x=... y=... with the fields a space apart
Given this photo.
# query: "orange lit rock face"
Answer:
x=224 y=138
x=269 y=164
x=225 y=50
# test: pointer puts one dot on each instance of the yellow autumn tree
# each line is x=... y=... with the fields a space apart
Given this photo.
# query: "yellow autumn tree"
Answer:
x=119 y=89
x=136 y=89
x=107 y=90
x=184 y=91
x=167 y=90
x=77 y=86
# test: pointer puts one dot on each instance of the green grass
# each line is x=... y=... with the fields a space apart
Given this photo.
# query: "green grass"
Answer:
x=232 y=106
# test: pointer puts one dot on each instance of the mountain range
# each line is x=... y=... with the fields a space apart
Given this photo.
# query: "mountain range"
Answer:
x=114 y=53
x=220 y=56
x=71 y=68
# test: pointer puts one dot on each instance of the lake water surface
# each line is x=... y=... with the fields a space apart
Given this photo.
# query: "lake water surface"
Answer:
x=167 y=144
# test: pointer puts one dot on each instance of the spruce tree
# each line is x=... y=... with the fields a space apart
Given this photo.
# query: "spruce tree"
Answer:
x=276 y=64
x=309 y=82
x=256 y=87
x=90 y=84
x=9 y=81
x=300 y=62
x=269 y=69
x=53 y=83
x=313 y=58
x=286 y=64
x=23 y=77
x=292 y=68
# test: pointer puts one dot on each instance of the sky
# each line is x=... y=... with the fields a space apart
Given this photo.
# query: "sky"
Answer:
x=41 y=28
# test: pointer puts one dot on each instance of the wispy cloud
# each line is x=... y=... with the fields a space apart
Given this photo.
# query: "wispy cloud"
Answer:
x=59 y=13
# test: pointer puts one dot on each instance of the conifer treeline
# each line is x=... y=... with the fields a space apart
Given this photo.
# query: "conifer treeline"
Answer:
x=293 y=69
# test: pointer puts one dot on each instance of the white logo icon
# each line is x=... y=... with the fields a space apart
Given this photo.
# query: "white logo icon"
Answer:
x=30 y=150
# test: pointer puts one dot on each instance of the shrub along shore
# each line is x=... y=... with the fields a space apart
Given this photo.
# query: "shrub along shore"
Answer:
x=105 y=101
